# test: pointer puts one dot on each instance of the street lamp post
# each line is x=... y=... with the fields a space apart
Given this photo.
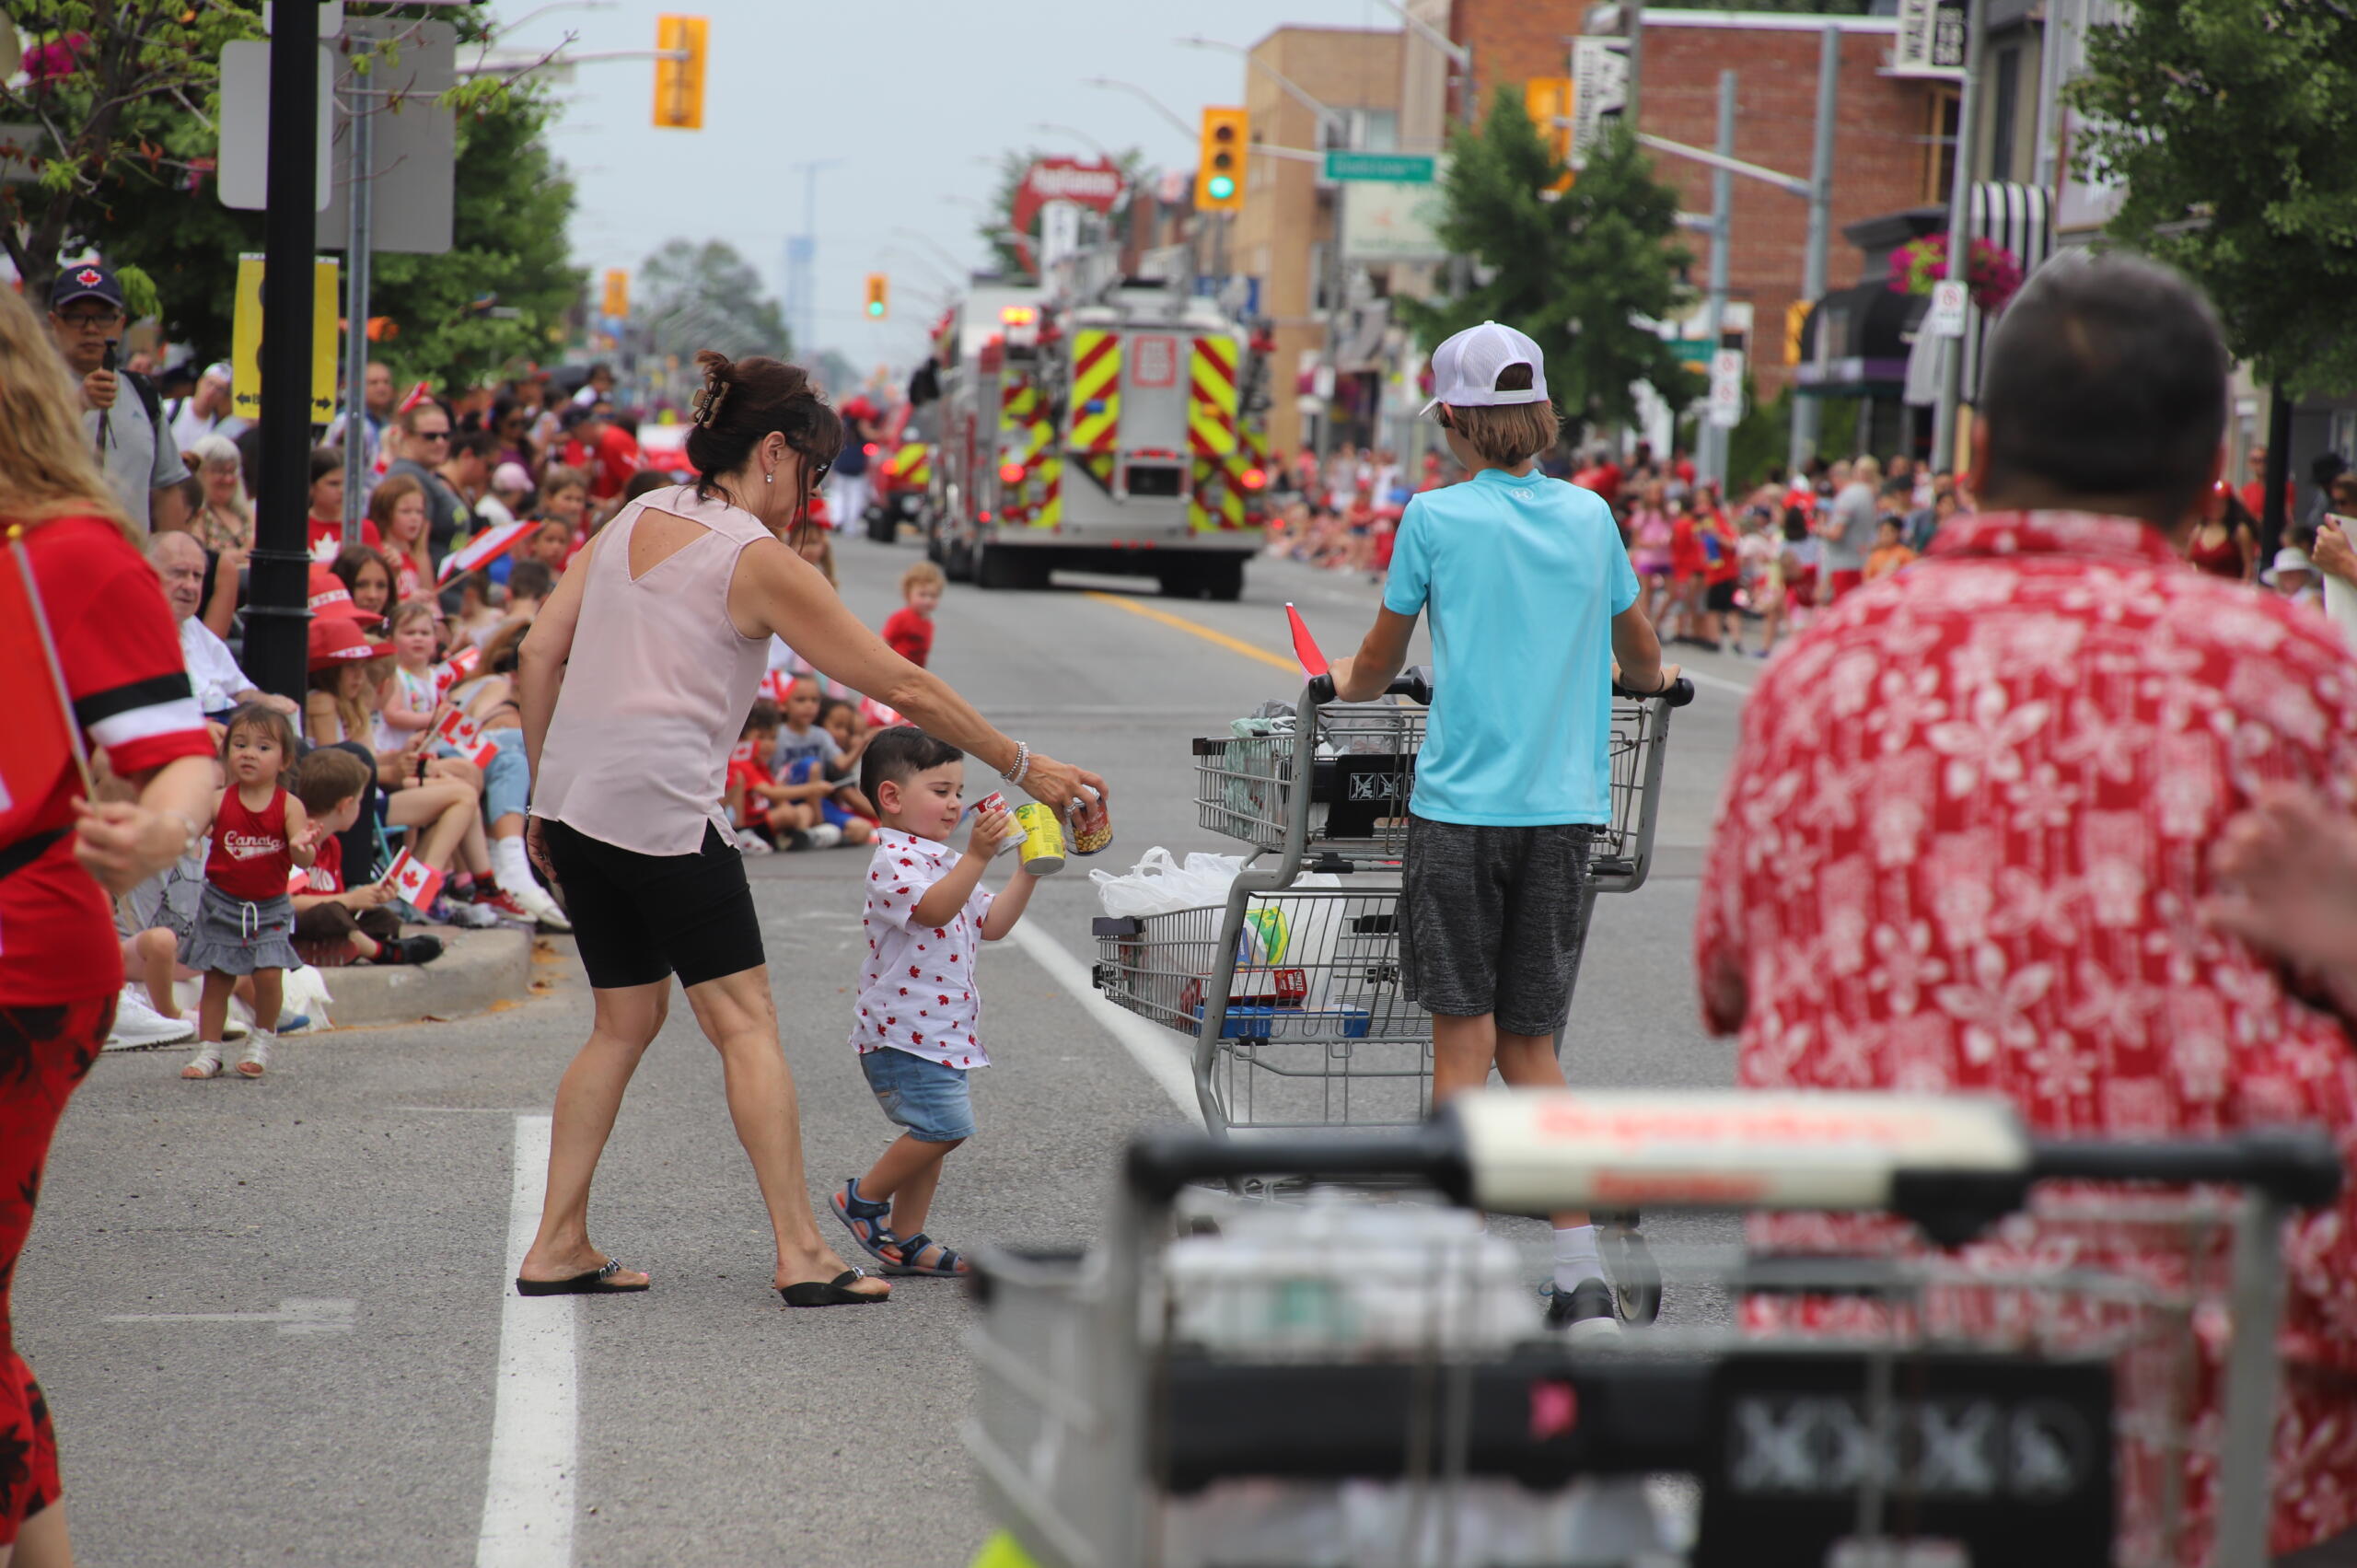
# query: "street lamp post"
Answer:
x=1808 y=413
x=1944 y=413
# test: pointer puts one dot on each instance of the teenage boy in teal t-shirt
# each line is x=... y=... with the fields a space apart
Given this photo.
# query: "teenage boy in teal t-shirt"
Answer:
x=1532 y=601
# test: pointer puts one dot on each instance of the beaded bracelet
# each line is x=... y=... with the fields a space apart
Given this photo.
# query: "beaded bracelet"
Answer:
x=1022 y=769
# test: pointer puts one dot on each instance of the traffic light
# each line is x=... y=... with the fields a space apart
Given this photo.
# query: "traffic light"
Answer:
x=678 y=83
x=1549 y=101
x=879 y=296
x=1219 y=164
x=616 y=301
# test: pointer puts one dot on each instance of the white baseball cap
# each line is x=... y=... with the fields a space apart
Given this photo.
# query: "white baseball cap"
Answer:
x=1466 y=368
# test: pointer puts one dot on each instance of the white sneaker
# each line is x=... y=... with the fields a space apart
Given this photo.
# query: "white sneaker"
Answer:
x=138 y=1026
x=540 y=906
x=752 y=842
x=825 y=835
x=468 y=915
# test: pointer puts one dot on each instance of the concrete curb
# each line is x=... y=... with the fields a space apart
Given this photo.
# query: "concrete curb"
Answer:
x=478 y=970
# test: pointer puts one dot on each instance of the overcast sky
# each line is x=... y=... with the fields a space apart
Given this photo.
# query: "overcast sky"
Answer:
x=910 y=95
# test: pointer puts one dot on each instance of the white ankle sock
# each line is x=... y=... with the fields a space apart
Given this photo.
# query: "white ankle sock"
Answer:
x=1576 y=1258
x=509 y=868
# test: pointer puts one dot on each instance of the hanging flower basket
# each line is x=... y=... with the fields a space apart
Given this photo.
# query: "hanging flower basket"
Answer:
x=1991 y=269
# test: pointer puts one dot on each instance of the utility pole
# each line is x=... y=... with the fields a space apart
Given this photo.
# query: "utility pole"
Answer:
x=1636 y=62
x=1712 y=447
x=278 y=614
x=1944 y=415
x=1808 y=413
x=361 y=178
x=801 y=260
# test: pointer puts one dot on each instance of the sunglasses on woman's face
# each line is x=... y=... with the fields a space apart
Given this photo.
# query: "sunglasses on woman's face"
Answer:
x=819 y=473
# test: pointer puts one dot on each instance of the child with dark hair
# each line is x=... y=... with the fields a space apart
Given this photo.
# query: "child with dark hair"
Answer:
x=918 y=1028
x=328 y=917
x=245 y=922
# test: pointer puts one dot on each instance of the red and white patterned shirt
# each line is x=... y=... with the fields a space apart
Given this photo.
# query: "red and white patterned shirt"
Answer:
x=1963 y=848
x=917 y=990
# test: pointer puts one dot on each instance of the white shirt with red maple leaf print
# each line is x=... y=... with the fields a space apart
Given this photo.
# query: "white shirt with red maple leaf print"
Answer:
x=917 y=992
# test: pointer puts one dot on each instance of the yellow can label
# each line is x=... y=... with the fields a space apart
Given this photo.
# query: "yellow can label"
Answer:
x=1043 y=839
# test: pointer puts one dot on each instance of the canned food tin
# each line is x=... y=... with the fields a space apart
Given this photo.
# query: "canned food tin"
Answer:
x=1043 y=839
x=984 y=808
x=1091 y=828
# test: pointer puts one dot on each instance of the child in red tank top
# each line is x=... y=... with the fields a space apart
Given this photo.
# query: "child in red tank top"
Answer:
x=245 y=922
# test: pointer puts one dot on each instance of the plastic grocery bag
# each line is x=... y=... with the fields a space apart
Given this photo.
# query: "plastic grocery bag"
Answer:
x=1160 y=883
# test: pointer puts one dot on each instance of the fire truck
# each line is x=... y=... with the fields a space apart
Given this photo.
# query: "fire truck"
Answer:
x=1123 y=430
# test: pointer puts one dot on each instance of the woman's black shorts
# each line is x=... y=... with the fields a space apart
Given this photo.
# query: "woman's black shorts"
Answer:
x=1719 y=598
x=641 y=918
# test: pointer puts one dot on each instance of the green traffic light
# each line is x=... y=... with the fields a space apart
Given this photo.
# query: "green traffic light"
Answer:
x=876 y=307
x=1220 y=187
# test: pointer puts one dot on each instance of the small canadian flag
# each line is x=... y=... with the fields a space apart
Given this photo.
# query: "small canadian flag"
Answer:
x=465 y=737
x=414 y=880
x=460 y=666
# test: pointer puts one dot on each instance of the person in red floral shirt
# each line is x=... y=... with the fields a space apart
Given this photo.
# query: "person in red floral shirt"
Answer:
x=1964 y=845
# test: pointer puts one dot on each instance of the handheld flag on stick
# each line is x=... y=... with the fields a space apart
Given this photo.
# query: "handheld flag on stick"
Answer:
x=483 y=548
x=37 y=746
x=417 y=395
x=1304 y=646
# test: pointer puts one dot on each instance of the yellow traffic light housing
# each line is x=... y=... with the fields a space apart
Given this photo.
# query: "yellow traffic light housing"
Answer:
x=879 y=296
x=1549 y=101
x=1219 y=164
x=679 y=83
x=617 y=300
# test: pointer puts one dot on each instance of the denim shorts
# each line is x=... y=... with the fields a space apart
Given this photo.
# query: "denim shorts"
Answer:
x=927 y=1098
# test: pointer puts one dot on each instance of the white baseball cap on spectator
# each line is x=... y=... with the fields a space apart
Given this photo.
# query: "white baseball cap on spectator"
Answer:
x=1466 y=368
x=509 y=479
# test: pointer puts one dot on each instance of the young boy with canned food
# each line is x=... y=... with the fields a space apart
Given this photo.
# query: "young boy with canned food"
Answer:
x=1533 y=607
x=918 y=1021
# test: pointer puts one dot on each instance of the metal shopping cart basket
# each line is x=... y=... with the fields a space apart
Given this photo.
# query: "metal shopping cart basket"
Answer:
x=1353 y=1385
x=1291 y=992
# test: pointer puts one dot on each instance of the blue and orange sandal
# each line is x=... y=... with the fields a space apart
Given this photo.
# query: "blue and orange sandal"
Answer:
x=948 y=1265
x=863 y=1217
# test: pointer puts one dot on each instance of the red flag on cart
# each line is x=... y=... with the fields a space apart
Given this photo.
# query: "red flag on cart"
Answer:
x=1304 y=646
x=39 y=742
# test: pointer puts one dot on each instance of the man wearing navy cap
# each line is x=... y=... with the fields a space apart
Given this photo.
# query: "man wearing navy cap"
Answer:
x=134 y=443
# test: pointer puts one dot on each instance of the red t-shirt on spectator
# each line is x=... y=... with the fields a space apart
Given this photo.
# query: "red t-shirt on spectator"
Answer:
x=910 y=636
x=1685 y=548
x=748 y=769
x=325 y=532
x=325 y=876
x=123 y=669
x=2254 y=496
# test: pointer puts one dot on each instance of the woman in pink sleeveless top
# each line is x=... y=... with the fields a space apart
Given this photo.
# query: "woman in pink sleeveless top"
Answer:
x=634 y=682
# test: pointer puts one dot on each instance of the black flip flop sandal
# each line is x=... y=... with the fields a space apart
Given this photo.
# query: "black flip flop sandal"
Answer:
x=829 y=1293
x=597 y=1281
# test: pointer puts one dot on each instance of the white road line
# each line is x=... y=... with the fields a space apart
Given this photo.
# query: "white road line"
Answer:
x=528 y=1508
x=1157 y=1051
x=1704 y=677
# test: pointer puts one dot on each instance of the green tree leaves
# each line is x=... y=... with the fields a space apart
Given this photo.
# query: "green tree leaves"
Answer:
x=696 y=296
x=2229 y=123
x=1581 y=272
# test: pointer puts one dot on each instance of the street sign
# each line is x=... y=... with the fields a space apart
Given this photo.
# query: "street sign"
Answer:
x=1392 y=221
x=243 y=174
x=1726 y=388
x=244 y=341
x=1059 y=231
x=1599 y=87
x=1930 y=39
x=1392 y=168
x=1946 y=318
x=412 y=135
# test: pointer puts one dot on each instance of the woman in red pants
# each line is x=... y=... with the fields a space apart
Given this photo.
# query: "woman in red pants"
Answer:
x=62 y=856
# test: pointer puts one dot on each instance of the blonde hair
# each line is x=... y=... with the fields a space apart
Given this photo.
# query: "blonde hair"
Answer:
x=383 y=501
x=354 y=714
x=924 y=573
x=47 y=466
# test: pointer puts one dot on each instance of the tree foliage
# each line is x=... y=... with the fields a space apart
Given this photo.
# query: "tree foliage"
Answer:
x=997 y=221
x=1575 y=272
x=134 y=110
x=2229 y=124
x=695 y=296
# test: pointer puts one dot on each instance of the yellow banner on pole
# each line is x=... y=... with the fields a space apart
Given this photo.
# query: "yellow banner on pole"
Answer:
x=245 y=338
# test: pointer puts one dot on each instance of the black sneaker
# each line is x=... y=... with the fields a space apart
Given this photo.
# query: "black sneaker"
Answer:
x=1584 y=1312
x=417 y=950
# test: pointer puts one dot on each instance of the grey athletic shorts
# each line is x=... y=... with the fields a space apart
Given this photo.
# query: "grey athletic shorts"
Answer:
x=1491 y=920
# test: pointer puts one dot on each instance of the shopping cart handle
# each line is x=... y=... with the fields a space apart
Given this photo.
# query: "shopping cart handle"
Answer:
x=1680 y=692
x=1414 y=683
x=1159 y=1164
x=2298 y=1166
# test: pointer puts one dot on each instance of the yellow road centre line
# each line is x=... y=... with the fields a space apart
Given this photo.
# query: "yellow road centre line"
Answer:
x=1194 y=628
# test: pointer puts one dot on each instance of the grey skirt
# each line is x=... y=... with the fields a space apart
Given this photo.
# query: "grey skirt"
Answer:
x=230 y=935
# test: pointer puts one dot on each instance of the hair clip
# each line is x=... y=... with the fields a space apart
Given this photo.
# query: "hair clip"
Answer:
x=705 y=406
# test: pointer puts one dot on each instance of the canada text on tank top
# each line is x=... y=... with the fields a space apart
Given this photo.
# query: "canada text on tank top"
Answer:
x=657 y=687
x=249 y=858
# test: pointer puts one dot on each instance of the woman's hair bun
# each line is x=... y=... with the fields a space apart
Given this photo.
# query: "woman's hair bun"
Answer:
x=718 y=373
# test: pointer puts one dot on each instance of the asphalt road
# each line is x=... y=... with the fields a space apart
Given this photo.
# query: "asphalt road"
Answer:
x=268 y=1316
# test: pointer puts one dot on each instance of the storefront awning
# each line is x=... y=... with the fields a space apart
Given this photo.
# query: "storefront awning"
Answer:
x=1867 y=330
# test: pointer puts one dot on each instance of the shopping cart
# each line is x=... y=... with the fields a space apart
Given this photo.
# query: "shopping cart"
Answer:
x=1362 y=1383
x=1290 y=992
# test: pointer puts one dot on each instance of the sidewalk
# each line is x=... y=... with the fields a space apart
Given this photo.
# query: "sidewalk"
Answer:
x=478 y=970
